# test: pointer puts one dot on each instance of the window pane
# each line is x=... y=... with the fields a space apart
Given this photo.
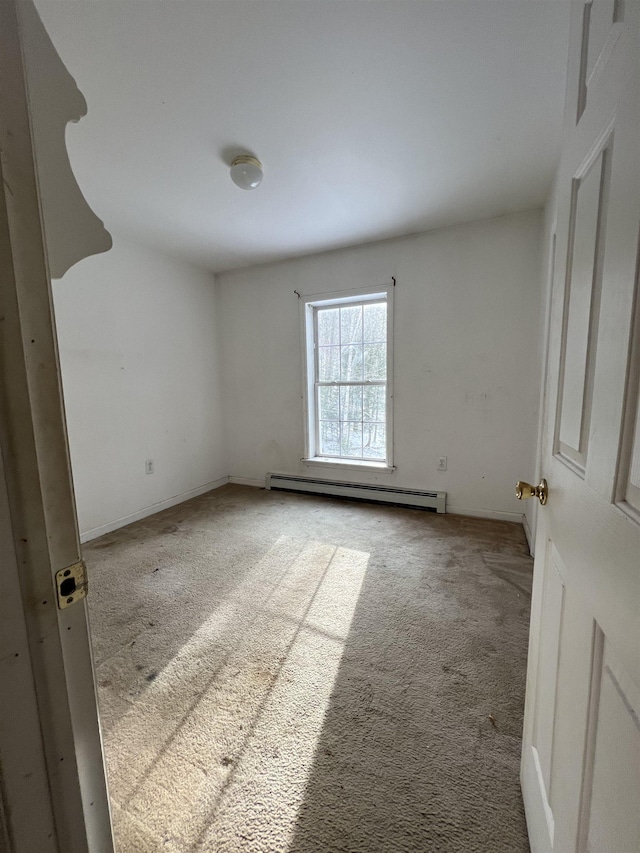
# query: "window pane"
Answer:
x=351 y=325
x=329 y=403
x=329 y=438
x=351 y=444
x=375 y=322
x=351 y=403
x=328 y=327
x=374 y=440
x=375 y=361
x=351 y=363
x=374 y=403
x=351 y=352
x=329 y=364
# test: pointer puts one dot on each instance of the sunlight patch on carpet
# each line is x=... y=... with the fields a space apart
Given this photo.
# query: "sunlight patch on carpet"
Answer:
x=241 y=705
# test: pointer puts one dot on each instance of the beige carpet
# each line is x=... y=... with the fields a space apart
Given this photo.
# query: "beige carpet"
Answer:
x=287 y=673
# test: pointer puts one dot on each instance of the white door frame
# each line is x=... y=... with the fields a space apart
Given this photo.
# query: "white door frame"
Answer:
x=54 y=794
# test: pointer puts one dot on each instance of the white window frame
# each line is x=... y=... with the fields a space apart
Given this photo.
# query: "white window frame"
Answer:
x=326 y=300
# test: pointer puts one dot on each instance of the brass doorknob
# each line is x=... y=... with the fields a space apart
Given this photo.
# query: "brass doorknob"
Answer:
x=526 y=490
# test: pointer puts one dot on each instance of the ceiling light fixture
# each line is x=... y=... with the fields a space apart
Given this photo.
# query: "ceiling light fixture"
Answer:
x=246 y=172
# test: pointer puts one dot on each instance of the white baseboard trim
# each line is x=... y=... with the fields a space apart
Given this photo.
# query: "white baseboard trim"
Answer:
x=485 y=513
x=95 y=532
x=528 y=534
x=247 y=481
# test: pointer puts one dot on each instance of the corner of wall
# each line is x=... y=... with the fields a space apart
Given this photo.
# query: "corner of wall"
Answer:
x=137 y=391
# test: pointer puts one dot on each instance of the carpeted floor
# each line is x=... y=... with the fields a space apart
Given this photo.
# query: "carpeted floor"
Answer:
x=288 y=673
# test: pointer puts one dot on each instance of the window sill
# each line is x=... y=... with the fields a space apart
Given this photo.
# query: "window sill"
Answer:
x=349 y=465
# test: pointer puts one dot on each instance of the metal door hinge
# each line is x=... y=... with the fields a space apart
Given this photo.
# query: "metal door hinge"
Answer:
x=72 y=584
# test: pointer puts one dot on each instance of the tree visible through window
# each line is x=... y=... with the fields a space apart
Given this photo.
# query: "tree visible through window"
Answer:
x=350 y=380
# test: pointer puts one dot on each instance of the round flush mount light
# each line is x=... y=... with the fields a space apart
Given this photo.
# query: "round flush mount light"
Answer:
x=246 y=172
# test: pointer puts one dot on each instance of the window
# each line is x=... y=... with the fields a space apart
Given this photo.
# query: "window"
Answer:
x=348 y=378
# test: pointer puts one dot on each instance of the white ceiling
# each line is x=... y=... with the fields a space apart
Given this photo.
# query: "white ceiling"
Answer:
x=372 y=118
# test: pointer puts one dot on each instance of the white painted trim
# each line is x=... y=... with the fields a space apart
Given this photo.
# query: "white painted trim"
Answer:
x=247 y=481
x=347 y=295
x=492 y=514
x=529 y=535
x=95 y=532
x=350 y=465
x=308 y=366
x=54 y=712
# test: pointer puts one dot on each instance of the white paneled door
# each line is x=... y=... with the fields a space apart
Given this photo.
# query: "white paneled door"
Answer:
x=581 y=751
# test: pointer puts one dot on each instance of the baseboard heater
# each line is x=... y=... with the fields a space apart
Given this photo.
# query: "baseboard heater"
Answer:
x=435 y=501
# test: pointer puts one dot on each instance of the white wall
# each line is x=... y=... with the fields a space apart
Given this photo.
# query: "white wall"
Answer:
x=467 y=376
x=140 y=372
x=140 y=336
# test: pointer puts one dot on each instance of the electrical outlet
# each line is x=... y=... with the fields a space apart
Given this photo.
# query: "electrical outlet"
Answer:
x=148 y=466
x=442 y=463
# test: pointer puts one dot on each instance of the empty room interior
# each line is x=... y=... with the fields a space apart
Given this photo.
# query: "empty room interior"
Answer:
x=303 y=367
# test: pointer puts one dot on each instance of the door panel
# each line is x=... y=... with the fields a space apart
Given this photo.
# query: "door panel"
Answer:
x=600 y=27
x=610 y=817
x=581 y=744
x=633 y=482
x=549 y=651
x=628 y=492
x=550 y=634
x=589 y=200
x=602 y=16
